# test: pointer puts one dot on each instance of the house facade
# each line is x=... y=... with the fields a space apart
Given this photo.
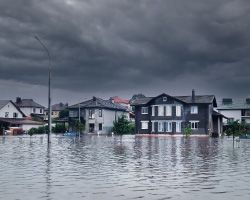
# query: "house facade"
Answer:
x=55 y=110
x=8 y=109
x=235 y=110
x=165 y=114
x=97 y=114
x=29 y=107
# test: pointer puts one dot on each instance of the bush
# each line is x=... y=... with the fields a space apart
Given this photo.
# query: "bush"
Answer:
x=187 y=131
x=59 y=128
x=123 y=126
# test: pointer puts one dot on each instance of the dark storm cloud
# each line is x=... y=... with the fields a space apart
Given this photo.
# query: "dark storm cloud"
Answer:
x=111 y=45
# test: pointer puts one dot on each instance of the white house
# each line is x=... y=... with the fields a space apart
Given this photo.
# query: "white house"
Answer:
x=29 y=107
x=9 y=110
x=98 y=114
x=235 y=110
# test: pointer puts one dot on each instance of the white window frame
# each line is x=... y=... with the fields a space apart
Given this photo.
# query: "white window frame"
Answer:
x=144 y=125
x=153 y=110
x=194 y=110
x=160 y=126
x=192 y=125
x=169 y=127
x=144 y=110
x=100 y=112
x=178 y=124
x=164 y=99
x=160 y=110
x=153 y=127
x=178 y=110
x=168 y=110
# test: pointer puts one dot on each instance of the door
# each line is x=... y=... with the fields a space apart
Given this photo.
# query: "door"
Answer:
x=91 y=128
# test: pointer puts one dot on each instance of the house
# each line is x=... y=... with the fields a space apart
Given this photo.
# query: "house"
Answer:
x=56 y=109
x=8 y=109
x=125 y=103
x=235 y=110
x=97 y=114
x=171 y=114
x=29 y=107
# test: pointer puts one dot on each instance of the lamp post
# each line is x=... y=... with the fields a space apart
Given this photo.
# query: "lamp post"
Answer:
x=49 y=85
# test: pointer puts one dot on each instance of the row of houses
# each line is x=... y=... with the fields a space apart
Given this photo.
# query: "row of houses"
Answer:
x=162 y=114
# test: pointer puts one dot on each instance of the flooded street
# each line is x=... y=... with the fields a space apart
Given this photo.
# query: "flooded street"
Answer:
x=127 y=167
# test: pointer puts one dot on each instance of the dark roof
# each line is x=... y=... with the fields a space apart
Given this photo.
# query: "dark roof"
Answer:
x=238 y=104
x=99 y=103
x=207 y=99
x=59 y=107
x=5 y=102
x=28 y=103
x=215 y=113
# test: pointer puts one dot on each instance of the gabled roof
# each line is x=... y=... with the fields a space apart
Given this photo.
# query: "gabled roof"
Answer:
x=5 y=102
x=99 y=103
x=28 y=103
x=59 y=107
x=206 y=99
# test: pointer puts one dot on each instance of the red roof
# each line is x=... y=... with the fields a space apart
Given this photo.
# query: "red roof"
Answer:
x=117 y=99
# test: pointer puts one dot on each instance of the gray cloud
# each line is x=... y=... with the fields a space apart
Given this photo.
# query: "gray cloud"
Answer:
x=125 y=46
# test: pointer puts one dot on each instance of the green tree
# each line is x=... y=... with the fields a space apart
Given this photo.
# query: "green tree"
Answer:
x=236 y=128
x=187 y=131
x=64 y=113
x=123 y=126
x=59 y=128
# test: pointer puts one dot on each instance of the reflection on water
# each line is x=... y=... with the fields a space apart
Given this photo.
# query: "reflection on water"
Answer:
x=127 y=167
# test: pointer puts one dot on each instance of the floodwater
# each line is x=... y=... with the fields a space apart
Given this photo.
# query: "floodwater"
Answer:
x=127 y=167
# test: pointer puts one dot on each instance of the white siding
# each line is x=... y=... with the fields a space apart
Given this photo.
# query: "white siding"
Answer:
x=236 y=114
x=28 y=110
x=11 y=109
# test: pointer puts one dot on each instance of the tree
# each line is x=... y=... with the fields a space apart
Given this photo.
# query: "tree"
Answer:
x=123 y=126
x=64 y=113
x=187 y=131
x=236 y=128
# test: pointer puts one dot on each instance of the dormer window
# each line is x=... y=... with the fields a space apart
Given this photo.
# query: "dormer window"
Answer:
x=164 y=99
x=144 y=110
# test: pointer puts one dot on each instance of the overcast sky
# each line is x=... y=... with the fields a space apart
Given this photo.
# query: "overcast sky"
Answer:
x=121 y=47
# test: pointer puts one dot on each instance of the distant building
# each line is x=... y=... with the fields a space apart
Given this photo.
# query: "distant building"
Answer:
x=29 y=107
x=125 y=103
x=97 y=114
x=167 y=114
x=235 y=110
x=56 y=109
x=13 y=120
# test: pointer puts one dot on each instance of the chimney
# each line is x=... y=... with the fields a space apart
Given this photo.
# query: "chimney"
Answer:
x=18 y=100
x=193 y=95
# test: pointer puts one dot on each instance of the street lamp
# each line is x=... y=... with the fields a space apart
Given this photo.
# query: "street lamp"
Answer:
x=49 y=85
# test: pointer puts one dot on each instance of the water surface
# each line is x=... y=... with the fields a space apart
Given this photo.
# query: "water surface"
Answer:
x=128 y=167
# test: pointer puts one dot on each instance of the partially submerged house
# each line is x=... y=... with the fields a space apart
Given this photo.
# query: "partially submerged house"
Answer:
x=97 y=114
x=29 y=107
x=235 y=109
x=171 y=114
x=13 y=120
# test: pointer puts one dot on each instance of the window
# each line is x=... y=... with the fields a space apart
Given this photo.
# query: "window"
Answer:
x=168 y=126
x=6 y=114
x=91 y=114
x=160 y=127
x=41 y=110
x=73 y=113
x=160 y=110
x=153 y=110
x=100 y=112
x=153 y=126
x=169 y=110
x=34 y=110
x=194 y=124
x=100 y=127
x=15 y=115
x=144 y=124
x=194 y=109
x=164 y=99
x=178 y=127
x=178 y=110
x=144 y=110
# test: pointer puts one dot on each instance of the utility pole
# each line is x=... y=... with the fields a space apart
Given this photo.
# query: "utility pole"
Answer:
x=49 y=85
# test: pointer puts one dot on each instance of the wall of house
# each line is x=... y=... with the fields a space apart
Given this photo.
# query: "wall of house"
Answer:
x=235 y=114
x=204 y=116
x=28 y=111
x=11 y=109
x=27 y=127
